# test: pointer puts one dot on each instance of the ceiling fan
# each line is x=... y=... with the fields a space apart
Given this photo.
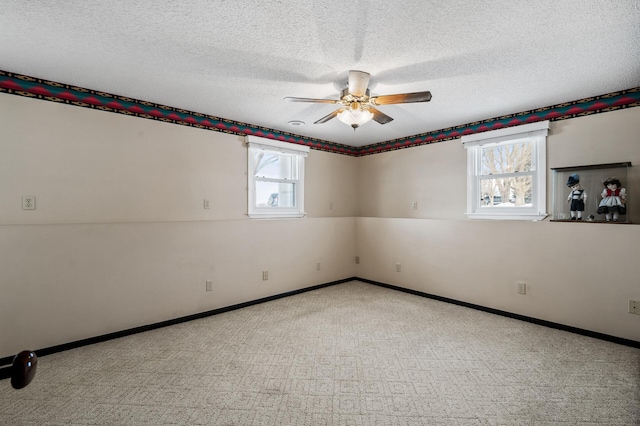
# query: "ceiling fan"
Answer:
x=358 y=107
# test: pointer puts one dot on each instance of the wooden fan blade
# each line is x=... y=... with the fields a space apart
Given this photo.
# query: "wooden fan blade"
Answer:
x=329 y=116
x=380 y=117
x=401 y=98
x=358 y=82
x=319 y=101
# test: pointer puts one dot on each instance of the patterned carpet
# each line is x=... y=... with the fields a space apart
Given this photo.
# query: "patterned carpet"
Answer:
x=350 y=354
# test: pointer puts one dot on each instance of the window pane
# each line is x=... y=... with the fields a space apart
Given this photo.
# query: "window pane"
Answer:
x=274 y=194
x=506 y=192
x=275 y=165
x=510 y=158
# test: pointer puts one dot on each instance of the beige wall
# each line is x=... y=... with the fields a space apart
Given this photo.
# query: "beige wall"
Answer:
x=433 y=175
x=120 y=238
x=86 y=166
x=578 y=274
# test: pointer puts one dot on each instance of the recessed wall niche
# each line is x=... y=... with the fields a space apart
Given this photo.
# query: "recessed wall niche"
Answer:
x=581 y=193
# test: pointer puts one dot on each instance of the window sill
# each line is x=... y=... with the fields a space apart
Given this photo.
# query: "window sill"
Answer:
x=272 y=215
x=535 y=217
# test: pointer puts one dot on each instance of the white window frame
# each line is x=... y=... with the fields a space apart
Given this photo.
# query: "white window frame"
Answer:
x=299 y=153
x=535 y=133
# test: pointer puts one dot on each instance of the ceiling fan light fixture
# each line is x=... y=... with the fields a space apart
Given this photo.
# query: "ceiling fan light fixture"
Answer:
x=358 y=107
x=355 y=117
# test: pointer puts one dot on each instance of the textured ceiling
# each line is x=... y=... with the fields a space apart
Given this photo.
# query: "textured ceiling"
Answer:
x=238 y=59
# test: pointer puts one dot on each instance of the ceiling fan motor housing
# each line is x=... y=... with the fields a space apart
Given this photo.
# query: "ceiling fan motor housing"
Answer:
x=348 y=97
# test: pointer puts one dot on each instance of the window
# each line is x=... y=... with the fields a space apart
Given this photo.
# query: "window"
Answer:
x=506 y=173
x=276 y=178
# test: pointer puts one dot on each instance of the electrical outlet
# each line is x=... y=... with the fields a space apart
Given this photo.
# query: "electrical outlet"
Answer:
x=265 y=275
x=414 y=205
x=207 y=204
x=318 y=266
x=209 y=285
x=634 y=307
x=330 y=205
x=28 y=202
x=398 y=267
x=522 y=288
x=357 y=260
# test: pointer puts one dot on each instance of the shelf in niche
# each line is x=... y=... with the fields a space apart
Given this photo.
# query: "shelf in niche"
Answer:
x=593 y=167
x=591 y=178
x=621 y=222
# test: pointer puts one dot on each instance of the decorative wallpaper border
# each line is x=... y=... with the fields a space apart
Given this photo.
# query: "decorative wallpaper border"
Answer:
x=594 y=105
x=21 y=85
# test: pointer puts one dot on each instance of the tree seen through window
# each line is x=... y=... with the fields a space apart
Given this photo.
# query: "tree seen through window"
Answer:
x=506 y=174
